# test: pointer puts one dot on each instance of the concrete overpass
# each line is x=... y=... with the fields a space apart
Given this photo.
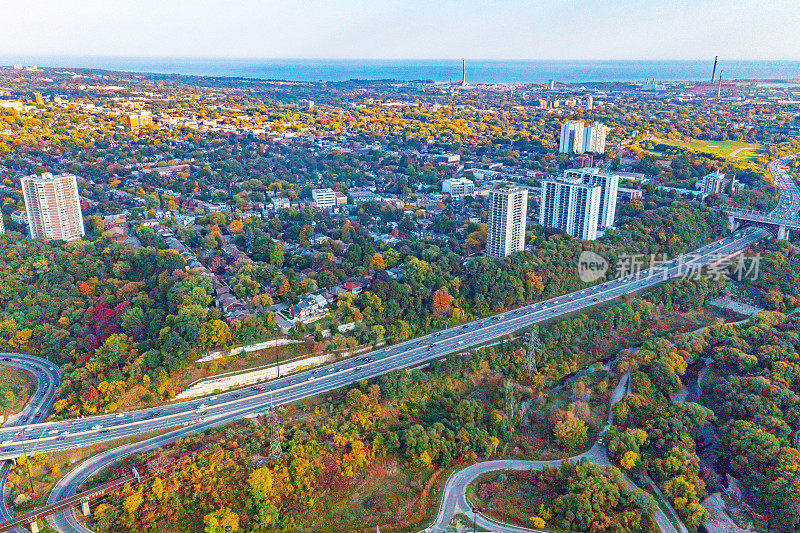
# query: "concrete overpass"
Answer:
x=737 y=217
x=786 y=215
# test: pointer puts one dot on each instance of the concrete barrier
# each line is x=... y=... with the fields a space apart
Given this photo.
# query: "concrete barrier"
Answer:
x=208 y=386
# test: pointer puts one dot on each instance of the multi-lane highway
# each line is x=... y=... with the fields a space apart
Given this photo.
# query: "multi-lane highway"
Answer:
x=47 y=379
x=223 y=408
x=228 y=407
x=50 y=436
x=789 y=204
x=785 y=214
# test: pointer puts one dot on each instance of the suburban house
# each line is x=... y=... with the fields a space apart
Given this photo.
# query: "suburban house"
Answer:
x=311 y=305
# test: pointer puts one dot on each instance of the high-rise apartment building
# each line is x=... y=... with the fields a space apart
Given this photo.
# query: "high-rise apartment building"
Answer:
x=594 y=138
x=717 y=183
x=571 y=137
x=324 y=198
x=53 y=206
x=570 y=205
x=508 y=210
x=609 y=184
x=577 y=137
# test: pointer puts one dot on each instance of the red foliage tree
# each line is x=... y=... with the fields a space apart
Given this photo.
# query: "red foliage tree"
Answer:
x=89 y=394
x=441 y=301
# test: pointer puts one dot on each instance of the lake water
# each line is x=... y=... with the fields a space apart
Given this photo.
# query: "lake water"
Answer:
x=483 y=71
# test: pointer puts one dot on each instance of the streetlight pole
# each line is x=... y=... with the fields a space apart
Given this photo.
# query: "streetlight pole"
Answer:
x=474 y=519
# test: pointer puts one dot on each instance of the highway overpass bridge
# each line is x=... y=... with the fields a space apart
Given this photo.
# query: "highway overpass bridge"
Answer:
x=193 y=416
x=739 y=217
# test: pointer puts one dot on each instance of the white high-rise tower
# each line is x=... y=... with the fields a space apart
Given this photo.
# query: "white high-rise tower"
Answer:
x=53 y=207
x=594 y=138
x=570 y=205
x=508 y=210
x=571 y=137
x=608 y=182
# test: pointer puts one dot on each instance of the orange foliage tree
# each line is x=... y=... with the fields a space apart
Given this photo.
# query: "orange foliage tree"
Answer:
x=441 y=301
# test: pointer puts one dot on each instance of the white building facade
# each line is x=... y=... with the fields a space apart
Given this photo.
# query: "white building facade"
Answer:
x=53 y=207
x=508 y=211
x=609 y=186
x=570 y=205
x=458 y=187
x=578 y=138
x=571 y=137
x=324 y=198
x=594 y=138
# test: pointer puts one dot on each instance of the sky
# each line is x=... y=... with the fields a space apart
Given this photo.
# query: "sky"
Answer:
x=403 y=29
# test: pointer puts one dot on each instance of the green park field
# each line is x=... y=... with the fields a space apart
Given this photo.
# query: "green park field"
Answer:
x=730 y=149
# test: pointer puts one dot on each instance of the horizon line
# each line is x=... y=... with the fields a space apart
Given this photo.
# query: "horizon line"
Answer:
x=6 y=56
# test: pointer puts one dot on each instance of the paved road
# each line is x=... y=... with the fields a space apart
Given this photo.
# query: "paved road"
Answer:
x=454 y=498
x=789 y=203
x=77 y=433
x=226 y=407
x=788 y=208
x=47 y=379
x=65 y=522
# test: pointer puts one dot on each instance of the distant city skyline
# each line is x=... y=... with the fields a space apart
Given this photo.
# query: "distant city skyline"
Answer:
x=413 y=29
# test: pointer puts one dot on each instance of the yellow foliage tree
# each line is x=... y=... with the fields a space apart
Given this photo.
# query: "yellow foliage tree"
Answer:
x=221 y=521
x=132 y=502
x=629 y=459
x=425 y=458
x=260 y=483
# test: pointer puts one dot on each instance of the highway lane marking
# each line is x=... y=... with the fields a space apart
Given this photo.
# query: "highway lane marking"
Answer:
x=508 y=325
x=657 y=276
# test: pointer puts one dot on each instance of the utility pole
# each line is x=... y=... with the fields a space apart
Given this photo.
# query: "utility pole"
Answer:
x=534 y=344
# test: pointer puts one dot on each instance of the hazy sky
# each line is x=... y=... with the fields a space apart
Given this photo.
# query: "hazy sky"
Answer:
x=415 y=29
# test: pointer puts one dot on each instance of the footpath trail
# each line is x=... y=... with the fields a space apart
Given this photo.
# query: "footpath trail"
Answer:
x=454 y=497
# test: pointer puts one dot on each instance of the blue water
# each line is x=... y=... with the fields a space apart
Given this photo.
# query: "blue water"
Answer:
x=482 y=71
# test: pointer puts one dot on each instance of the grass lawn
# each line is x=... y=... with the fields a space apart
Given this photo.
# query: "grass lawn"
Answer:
x=736 y=150
x=58 y=464
x=387 y=492
x=15 y=390
x=515 y=497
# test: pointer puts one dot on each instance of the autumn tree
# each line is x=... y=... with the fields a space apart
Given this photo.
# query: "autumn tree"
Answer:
x=236 y=226
x=221 y=521
x=569 y=431
x=441 y=301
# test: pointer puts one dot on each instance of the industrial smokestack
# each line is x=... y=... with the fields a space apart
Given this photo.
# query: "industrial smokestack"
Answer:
x=713 y=72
